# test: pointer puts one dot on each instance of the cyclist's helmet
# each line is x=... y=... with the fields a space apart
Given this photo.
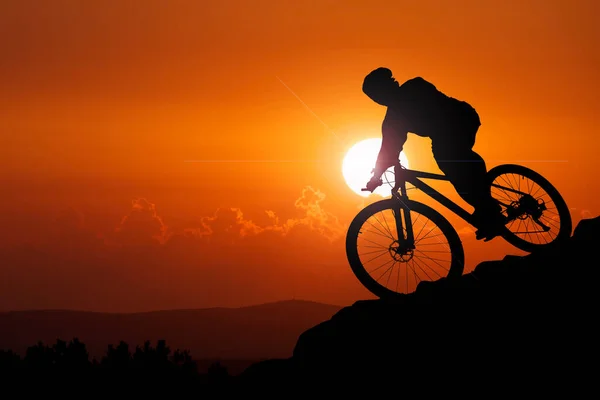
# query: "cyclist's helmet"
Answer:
x=379 y=85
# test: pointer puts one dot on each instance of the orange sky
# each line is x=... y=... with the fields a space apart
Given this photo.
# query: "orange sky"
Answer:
x=104 y=102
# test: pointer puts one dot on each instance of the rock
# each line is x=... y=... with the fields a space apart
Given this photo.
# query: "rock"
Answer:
x=520 y=316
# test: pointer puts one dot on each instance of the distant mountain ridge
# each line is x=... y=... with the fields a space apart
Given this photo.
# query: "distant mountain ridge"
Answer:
x=274 y=304
x=252 y=332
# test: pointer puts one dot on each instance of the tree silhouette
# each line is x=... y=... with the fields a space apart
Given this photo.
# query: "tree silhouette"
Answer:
x=152 y=358
x=117 y=358
x=118 y=365
x=39 y=357
x=9 y=361
x=183 y=360
x=218 y=373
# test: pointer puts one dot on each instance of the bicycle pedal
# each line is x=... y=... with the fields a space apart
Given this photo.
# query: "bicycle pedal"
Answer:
x=486 y=237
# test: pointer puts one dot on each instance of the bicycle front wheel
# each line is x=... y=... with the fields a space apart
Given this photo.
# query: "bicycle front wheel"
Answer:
x=372 y=248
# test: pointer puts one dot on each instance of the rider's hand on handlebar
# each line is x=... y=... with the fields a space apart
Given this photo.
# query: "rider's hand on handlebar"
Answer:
x=373 y=184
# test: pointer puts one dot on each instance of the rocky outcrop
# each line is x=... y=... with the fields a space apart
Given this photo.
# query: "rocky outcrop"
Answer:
x=518 y=322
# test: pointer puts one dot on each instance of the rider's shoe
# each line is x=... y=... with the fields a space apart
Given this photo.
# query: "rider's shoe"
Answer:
x=487 y=233
x=489 y=226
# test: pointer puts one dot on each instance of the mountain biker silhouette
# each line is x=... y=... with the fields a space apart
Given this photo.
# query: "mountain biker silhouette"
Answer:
x=418 y=107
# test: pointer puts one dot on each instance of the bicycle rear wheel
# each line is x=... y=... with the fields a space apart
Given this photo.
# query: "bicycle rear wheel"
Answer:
x=537 y=214
x=372 y=248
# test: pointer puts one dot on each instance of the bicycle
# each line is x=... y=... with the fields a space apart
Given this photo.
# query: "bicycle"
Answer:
x=409 y=219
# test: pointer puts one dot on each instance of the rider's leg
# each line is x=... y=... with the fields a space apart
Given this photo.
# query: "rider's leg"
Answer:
x=466 y=170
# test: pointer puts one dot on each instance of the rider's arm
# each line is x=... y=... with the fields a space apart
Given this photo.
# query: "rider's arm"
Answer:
x=394 y=135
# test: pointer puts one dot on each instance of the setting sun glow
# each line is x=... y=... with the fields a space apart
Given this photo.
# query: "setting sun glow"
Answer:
x=360 y=161
x=198 y=154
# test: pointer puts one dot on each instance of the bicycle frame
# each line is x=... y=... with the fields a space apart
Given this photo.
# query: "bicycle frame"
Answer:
x=402 y=176
x=414 y=178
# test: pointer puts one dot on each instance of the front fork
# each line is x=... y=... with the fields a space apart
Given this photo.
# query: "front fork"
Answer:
x=404 y=227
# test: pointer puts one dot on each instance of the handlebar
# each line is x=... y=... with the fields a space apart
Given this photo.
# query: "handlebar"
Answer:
x=397 y=166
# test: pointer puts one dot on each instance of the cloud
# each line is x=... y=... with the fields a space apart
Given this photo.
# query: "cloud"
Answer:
x=144 y=262
x=232 y=223
x=315 y=216
x=142 y=225
x=586 y=214
x=227 y=222
x=466 y=231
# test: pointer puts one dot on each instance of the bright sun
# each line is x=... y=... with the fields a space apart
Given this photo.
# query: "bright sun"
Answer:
x=358 y=163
